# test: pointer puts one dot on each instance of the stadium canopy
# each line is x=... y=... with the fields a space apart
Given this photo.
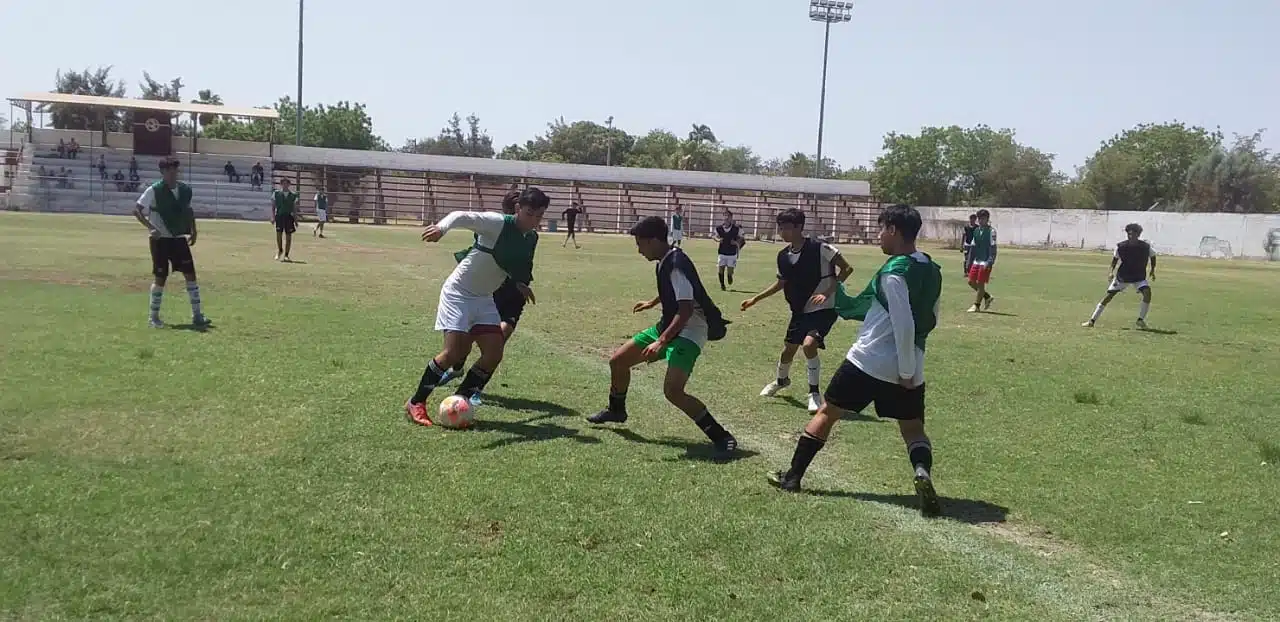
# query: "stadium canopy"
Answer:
x=141 y=104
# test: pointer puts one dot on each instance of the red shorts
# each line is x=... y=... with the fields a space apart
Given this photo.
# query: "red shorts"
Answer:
x=979 y=274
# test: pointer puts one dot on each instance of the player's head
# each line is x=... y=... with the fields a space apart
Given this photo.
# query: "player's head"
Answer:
x=790 y=225
x=679 y=208
x=510 y=201
x=651 y=237
x=984 y=217
x=169 y=170
x=728 y=216
x=973 y=219
x=899 y=226
x=285 y=183
x=532 y=204
x=1133 y=230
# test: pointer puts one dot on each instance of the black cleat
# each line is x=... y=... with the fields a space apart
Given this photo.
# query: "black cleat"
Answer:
x=726 y=448
x=784 y=480
x=607 y=416
x=929 y=505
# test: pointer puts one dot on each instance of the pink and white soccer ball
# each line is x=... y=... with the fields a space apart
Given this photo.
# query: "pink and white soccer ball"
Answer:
x=455 y=412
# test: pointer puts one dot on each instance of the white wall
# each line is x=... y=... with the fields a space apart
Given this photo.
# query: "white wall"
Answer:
x=1254 y=236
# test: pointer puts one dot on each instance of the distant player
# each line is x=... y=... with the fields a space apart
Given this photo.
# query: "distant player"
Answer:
x=509 y=299
x=467 y=313
x=809 y=271
x=885 y=366
x=677 y=226
x=571 y=221
x=982 y=259
x=165 y=210
x=1132 y=255
x=689 y=320
x=284 y=215
x=966 y=243
x=322 y=212
x=730 y=236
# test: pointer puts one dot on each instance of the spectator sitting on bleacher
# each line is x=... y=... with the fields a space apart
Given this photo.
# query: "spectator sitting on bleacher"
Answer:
x=74 y=149
x=133 y=166
x=119 y=177
x=102 y=166
x=134 y=181
x=232 y=175
x=256 y=174
x=62 y=148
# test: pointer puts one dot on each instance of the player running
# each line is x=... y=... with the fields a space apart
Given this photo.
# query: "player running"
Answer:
x=982 y=260
x=730 y=235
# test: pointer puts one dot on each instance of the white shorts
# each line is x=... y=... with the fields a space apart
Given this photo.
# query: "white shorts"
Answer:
x=1118 y=286
x=677 y=235
x=726 y=261
x=322 y=216
x=458 y=313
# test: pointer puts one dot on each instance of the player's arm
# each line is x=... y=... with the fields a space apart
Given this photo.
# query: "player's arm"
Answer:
x=144 y=204
x=994 y=248
x=904 y=325
x=482 y=223
x=1153 y=263
x=191 y=239
x=1115 y=260
x=645 y=305
x=771 y=290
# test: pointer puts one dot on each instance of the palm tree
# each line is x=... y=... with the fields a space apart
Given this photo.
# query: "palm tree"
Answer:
x=207 y=96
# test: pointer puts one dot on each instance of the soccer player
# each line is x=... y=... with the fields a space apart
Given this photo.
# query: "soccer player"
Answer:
x=322 y=212
x=571 y=220
x=689 y=320
x=284 y=215
x=982 y=259
x=808 y=277
x=730 y=236
x=677 y=226
x=1132 y=255
x=885 y=366
x=509 y=299
x=966 y=244
x=467 y=314
x=165 y=210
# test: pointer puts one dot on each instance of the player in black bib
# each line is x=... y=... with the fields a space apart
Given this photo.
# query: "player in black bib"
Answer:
x=1132 y=255
x=571 y=221
x=731 y=241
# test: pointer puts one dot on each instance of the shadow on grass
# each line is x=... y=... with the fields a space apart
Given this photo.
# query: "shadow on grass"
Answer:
x=1152 y=331
x=693 y=450
x=529 y=431
x=999 y=313
x=527 y=405
x=971 y=511
x=195 y=328
x=863 y=417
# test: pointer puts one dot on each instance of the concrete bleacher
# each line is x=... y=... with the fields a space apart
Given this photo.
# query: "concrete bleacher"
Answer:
x=213 y=194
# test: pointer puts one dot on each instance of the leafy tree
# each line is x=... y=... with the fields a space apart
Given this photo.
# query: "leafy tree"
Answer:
x=657 y=149
x=580 y=142
x=1243 y=179
x=1147 y=165
x=344 y=125
x=210 y=98
x=737 y=160
x=97 y=82
x=452 y=141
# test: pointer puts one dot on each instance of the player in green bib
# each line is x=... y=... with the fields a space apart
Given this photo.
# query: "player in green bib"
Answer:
x=165 y=209
x=677 y=226
x=885 y=366
x=284 y=215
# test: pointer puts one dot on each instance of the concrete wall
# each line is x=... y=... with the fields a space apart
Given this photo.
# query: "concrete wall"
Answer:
x=124 y=140
x=1253 y=236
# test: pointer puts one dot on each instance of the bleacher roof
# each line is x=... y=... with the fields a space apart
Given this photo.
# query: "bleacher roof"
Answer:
x=143 y=104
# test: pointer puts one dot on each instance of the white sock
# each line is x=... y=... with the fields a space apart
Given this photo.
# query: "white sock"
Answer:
x=193 y=293
x=815 y=368
x=1143 y=307
x=1097 y=312
x=784 y=370
x=157 y=292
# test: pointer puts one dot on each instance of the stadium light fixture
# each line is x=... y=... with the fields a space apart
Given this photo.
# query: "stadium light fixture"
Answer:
x=828 y=12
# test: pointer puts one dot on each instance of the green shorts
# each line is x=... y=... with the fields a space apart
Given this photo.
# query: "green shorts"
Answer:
x=680 y=353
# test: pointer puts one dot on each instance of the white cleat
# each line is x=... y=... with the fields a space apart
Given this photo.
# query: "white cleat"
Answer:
x=1141 y=324
x=772 y=388
x=973 y=309
x=155 y=323
x=815 y=402
x=1088 y=324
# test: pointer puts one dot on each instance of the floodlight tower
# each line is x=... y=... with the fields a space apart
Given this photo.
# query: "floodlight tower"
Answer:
x=827 y=12
x=298 y=119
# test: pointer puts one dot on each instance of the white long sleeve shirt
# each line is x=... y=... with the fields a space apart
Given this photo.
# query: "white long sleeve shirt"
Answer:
x=478 y=274
x=886 y=346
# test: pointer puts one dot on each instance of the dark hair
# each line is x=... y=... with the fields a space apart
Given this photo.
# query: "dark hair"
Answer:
x=166 y=163
x=535 y=198
x=650 y=228
x=1133 y=227
x=728 y=212
x=973 y=216
x=509 y=201
x=903 y=218
x=791 y=216
x=983 y=214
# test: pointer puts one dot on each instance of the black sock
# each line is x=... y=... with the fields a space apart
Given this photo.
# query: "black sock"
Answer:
x=921 y=455
x=457 y=369
x=721 y=280
x=617 y=401
x=711 y=427
x=474 y=382
x=806 y=448
x=430 y=378
x=731 y=279
x=813 y=388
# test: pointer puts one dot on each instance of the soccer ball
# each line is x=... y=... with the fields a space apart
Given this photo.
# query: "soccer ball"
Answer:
x=456 y=413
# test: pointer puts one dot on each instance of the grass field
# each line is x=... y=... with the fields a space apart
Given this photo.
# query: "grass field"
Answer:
x=263 y=468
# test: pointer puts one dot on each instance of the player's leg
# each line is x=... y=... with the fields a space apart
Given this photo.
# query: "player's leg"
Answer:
x=279 y=239
x=782 y=380
x=1115 y=288
x=183 y=262
x=681 y=356
x=290 y=227
x=850 y=390
x=817 y=325
x=457 y=344
x=159 y=270
x=1145 y=305
x=627 y=355
x=720 y=270
x=907 y=406
x=728 y=270
x=491 y=342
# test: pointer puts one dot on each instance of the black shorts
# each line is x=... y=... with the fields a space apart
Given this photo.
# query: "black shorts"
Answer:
x=570 y=227
x=171 y=251
x=286 y=224
x=852 y=389
x=510 y=303
x=817 y=324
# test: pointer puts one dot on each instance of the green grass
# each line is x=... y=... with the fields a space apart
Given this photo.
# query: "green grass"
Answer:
x=263 y=469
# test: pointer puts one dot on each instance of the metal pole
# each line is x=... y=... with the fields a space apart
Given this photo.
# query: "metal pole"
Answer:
x=298 y=134
x=822 y=102
x=608 y=154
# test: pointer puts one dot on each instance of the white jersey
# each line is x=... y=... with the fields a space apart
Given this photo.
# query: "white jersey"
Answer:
x=886 y=346
x=146 y=202
x=478 y=274
x=695 y=329
x=826 y=254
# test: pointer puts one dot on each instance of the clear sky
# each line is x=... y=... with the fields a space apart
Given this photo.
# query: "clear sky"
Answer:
x=1064 y=75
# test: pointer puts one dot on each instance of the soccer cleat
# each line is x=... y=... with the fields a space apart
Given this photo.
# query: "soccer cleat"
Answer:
x=973 y=309
x=1141 y=324
x=449 y=375
x=277 y=257
x=607 y=416
x=726 y=448
x=201 y=320
x=1088 y=324
x=815 y=402
x=929 y=504
x=475 y=400
x=417 y=413
x=772 y=388
x=155 y=323
x=784 y=480
x=986 y=303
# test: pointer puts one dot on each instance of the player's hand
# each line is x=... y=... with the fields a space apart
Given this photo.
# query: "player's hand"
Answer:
x=748 y=303
x=654 y=351
x=191 y=239
x=643 y=305
x=432 y=234
x=817 y=299
x=527 y=292
x=1152 y=277
x=907 y=383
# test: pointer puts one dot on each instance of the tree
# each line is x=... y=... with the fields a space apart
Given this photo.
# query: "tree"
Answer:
x=1243 y=179
x=343 y=125
x=170 y=91
x=1147 y=165
x=209 y=98
x=580 y=142
x=657 y=149
x=451 y=141
x=96 y=82
x=737 y=160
